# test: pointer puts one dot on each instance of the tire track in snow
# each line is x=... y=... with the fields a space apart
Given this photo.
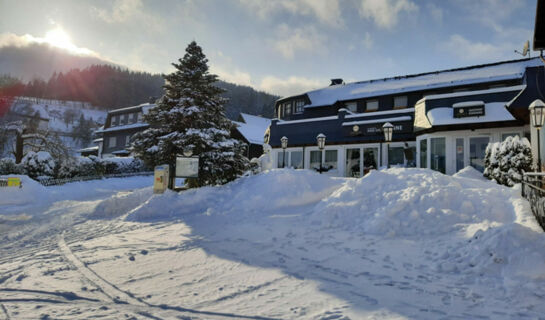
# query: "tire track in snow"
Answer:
x=4 y=310
x=110 y=290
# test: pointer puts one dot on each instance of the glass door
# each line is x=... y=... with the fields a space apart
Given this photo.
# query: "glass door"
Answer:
x=460 y=152
x=353 y=163
x=477 y=148
x=370 y=159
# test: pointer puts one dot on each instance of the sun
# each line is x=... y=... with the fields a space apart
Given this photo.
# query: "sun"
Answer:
x=60 y=39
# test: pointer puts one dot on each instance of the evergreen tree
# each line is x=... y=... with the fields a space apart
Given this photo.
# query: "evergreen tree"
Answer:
x=191 y=115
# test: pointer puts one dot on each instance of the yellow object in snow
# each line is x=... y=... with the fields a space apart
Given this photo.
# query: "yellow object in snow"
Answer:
x=11 y=182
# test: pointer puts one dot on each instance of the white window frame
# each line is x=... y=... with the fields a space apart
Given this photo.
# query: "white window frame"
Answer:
x=351 y=106
x=287 y=108
x=112 y=142
x=299 y=104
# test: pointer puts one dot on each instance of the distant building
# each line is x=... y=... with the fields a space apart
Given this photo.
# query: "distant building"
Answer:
x=447 y=118
x=251 y=129
x=120 y=126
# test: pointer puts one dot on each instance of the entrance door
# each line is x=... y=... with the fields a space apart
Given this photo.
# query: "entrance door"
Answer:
x=370 y=159
x=353 y=163
x=477 y=148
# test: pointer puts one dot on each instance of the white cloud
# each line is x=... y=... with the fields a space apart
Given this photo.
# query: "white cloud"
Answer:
x=385 y=12
x=130 y=12
x=467 y=50
x=326 y=11
x=290 y=86
x=11 y=39
x=234 y=76
x=290 y=41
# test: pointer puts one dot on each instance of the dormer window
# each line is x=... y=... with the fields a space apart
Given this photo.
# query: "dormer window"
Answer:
x=287 y=109
x=299 y=106
x=371 y=105
x=114 y=121
x=400 y=102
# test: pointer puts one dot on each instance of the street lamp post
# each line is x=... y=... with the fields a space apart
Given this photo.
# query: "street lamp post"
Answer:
x=537 y=118
x=284 y=142
x=388 y=129
x=320 y=139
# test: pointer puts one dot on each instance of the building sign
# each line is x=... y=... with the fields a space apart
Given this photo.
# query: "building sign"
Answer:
x=469 y=111
x=187 y=167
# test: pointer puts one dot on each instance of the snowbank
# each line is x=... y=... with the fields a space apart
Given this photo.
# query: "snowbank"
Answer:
x=31 y=191
x=271 y=192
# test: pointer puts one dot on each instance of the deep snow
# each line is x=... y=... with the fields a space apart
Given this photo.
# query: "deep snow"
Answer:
x=286 y=244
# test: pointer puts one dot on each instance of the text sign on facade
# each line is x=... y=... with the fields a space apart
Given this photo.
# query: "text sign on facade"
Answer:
x=473 y=111
x=187 y=167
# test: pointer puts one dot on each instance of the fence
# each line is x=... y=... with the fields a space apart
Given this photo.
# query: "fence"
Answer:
x=532 y=190
x=57 y=182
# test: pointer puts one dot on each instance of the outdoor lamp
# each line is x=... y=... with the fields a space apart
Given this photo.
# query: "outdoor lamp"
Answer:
x=537 y=117
x=284 y=143
x=388 y=129
x=320 y=139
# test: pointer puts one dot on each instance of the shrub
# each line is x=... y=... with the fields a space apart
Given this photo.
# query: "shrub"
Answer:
x=8 y=166
x=507 y=161
x=38 y=164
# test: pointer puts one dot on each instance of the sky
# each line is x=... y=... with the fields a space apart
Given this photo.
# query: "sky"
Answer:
x=279 y=46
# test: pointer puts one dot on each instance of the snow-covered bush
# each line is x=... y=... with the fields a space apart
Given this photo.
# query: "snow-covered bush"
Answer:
x=38 y=164
x=68 y=168
x=506 y=162
x=8 y=166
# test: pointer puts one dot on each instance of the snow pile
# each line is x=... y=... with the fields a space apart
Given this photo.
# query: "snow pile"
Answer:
x=271 y=192
x=121 y=203
x=470 y=173
x=31 y=191
x=39 y=163
x=413 y=202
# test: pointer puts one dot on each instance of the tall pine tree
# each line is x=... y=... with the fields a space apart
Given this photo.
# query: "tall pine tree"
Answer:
x=191 y=115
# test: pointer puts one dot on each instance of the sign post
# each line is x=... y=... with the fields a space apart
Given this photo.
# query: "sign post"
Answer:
x=186 y=167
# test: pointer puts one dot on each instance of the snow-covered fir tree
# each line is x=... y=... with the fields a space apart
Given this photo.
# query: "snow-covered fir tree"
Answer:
x=191 y=115
x=507 y=161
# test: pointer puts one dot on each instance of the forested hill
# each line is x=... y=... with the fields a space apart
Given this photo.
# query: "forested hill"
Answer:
x=111 y=87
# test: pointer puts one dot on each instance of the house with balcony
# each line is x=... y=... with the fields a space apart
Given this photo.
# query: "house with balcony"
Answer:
x=120 y=126
x=445 y=119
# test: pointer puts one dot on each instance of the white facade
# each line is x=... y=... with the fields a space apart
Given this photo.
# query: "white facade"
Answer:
x=461 y=148
x=344 y=165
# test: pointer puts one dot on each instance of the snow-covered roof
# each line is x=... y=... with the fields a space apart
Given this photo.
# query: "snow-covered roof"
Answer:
x=133 y=108
x=455 y=77
x=124 y=127
x=494 y=112
x=253 y=128
x=95 y=148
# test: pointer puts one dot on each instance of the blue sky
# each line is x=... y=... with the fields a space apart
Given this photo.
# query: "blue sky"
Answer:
x=283 y=47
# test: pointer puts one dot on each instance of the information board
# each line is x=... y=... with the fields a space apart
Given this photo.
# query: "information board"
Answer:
x=187 y=167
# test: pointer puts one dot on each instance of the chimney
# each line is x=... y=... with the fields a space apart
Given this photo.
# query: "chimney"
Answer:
x=336 y=81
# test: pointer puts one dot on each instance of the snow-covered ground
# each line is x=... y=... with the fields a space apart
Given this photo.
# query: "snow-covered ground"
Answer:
x=285 y=244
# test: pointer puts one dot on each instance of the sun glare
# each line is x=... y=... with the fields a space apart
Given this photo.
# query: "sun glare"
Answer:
x=60 y=39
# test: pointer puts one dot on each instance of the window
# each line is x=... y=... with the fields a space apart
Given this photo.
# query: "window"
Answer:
x=280 y=159
x=299 y=106
x=139 y=117
x=133 y=117
x=123 y=119
x=371 y=105
x=112 y=142
x=477 y=149
x=296 y=159
x=400 y=102
x=351 y=106
x=287 y=109
x=315 y=159
x=127 y=140
x=437 y=152
x=459 y=154
x=370 y=159
x=424 y=153
x=396 y=156
x=330 y=161
x=114 y=121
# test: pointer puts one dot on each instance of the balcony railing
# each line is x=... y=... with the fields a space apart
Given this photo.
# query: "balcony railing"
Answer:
x=532 y=190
